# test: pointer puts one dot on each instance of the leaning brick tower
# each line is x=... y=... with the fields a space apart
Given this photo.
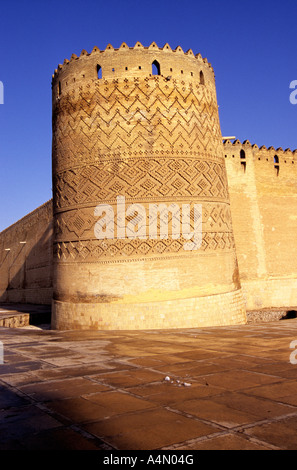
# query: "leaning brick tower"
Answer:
x=136 y=142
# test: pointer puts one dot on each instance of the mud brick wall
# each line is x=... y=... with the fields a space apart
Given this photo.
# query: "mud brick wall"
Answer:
x=263 y=194
x=26 y=268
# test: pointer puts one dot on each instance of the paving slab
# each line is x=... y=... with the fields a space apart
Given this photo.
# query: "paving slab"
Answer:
x=227 y=388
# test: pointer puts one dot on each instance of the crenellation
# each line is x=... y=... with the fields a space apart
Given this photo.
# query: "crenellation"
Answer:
x=153 y=46
x=139 y=46
x=168 y=66
x=258 y=153
x=166 y=48
x=178 y=49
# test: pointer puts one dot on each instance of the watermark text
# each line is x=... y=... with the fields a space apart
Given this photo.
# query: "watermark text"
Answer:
x=1 y=93
x=293 y=358
x=158 y=221
x=293 y=94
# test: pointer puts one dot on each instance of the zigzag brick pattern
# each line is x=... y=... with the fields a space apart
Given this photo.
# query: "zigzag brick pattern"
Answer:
x=147 y=140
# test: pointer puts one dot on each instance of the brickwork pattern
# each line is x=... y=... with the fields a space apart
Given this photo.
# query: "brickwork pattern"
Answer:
x=161 y=152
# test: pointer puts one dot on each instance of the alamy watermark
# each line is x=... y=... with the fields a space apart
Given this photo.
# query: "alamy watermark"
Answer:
x=138 y=222
x=293 y=94
x=1 y=93
x=293 y=359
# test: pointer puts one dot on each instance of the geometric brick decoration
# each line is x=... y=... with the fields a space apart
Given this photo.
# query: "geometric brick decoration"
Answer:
x=140 y=125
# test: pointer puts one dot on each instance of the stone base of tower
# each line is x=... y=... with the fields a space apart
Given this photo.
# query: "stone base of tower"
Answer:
x=214 y=310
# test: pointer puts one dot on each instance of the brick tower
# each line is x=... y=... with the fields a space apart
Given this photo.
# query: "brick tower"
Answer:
x=137 y=144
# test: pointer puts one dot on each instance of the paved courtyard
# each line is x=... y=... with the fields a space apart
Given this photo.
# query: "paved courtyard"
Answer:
x=209 y=388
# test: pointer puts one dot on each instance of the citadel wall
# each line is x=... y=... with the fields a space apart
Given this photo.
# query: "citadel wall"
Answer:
x=26 y=258
x=263 y=195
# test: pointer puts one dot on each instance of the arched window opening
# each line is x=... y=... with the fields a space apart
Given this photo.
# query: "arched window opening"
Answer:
x=156 y=68
x=276 y=164
x=99 y=71
x=242 y=160
x=201 y=78
x=59 y=89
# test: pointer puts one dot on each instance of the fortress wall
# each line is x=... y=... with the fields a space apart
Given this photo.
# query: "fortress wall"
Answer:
x=264 y=211
x=26 y=268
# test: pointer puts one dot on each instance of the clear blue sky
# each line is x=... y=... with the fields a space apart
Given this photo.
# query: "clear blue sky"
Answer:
x=252 y=46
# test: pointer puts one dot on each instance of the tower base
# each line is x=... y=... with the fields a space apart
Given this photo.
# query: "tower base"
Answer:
x=214 y=310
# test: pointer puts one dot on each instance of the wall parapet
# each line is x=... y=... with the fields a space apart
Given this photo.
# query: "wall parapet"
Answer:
x=246 y=143
x=129 y=62
x=244 y=151
x=138 y=46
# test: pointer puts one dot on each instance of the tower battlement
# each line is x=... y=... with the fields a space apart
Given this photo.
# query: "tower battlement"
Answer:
x=247 y=144
x=130 y=62
x=276 y=157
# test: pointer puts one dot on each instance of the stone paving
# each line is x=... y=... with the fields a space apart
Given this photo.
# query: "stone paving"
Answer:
x=211 y=388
